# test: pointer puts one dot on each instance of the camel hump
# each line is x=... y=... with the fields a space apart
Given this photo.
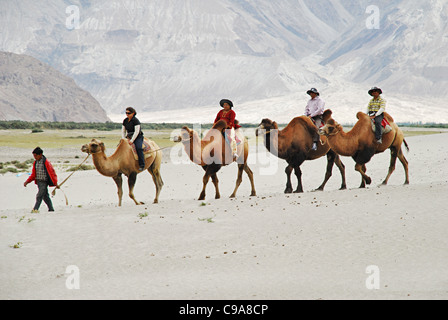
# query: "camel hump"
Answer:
x=327 y=115
x=220 y=125
x=360 y=115
x=388 y=117
x=307 y=122
x=302 y=121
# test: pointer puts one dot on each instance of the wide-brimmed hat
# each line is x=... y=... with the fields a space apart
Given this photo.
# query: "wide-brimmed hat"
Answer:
x=375 y=89
x=221 y=103
x=313 y=90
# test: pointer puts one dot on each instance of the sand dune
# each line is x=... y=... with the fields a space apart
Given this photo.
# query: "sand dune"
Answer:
x=314 y=245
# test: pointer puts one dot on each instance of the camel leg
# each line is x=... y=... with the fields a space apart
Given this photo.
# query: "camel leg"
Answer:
x=405 y=164
x=288 y=171
x=239 y=178
x=361 y=168
x=119 y=182
x=393 y=160
x=216 y=183
x=298 y=173
x=330 y=162
x=209 y=171
x=157 y=178
x=131 y=183
x=250 y=174
x=341 y=167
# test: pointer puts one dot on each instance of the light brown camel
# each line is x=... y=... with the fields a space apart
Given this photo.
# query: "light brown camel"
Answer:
x=293 y=144
x=123 y=162
x=360 y=144
x=213 y=152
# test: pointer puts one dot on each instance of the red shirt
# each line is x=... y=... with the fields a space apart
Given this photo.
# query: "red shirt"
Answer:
x=52 y=178
x=229 y=117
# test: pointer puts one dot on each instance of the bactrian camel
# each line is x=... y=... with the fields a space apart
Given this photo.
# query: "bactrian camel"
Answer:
x=124 y=162
x=360 y=144
x=213 y=152
x=294 y=144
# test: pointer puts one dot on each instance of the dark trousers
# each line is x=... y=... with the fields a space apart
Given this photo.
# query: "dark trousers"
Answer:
x=318 y=122
x=43 y=194
x=139 y=148
x=378 y=126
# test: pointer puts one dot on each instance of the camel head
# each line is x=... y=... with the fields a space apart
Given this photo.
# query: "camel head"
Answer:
x=266 y=124
x=95 y=146
x=331 y=128
x=186 y=134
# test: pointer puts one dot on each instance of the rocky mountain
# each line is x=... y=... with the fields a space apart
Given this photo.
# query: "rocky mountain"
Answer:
x=186 y=55
x=33 y=91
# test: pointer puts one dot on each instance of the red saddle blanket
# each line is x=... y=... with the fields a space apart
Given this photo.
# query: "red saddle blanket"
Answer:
x=385 y=123
x=146 y=147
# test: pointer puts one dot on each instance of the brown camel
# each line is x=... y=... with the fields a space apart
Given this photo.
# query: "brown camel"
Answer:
x=213 y=152
x=360 y=144
x=123 y=162
x=293 y=144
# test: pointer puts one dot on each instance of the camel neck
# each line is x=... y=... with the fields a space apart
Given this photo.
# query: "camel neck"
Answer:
x=107 y=166
x=271 y=140
x=343 y=143
x=193 y=148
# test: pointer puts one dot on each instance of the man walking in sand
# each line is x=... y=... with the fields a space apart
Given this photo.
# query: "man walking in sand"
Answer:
x=43 y=175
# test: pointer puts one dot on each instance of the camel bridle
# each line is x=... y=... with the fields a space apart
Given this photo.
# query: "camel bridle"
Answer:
x=335 y=132
x=190 y=137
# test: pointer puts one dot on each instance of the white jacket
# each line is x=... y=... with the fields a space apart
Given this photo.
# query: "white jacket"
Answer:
x=315 y=107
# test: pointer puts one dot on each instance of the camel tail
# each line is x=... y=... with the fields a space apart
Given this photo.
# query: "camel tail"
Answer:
x=406 y=145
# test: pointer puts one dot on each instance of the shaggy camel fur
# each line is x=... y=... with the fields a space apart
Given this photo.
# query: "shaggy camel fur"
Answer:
x=123 y=162
x=213 y=152
x=293 y=144
x=360 y=144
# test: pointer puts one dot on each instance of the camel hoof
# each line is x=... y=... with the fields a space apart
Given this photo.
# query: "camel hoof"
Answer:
x=232 y=195
x=343 y=188
x=368 y=181
x=298 y=191
x=319 y=189
x=217 y=196
x=156 y=201
x=253 y=194
x=288 y=190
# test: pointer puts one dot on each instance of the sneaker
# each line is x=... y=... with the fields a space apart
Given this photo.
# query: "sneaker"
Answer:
x=379 y=141
x=314 y=147
x=34 y=211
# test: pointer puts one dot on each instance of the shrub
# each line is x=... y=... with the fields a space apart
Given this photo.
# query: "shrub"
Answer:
x=82 y=167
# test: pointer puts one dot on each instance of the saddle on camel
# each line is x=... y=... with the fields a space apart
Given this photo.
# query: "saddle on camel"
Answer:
x=147 y=149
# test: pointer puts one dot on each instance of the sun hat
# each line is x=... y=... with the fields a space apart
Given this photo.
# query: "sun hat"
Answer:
x=373 y=89
x=226 y=101
x=313 y=90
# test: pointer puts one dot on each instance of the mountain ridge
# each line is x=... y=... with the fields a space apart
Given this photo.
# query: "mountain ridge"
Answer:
x=33 y=91
x=174 y=54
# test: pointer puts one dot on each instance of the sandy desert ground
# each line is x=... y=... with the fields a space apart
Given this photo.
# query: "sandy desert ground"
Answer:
x=382 y=242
